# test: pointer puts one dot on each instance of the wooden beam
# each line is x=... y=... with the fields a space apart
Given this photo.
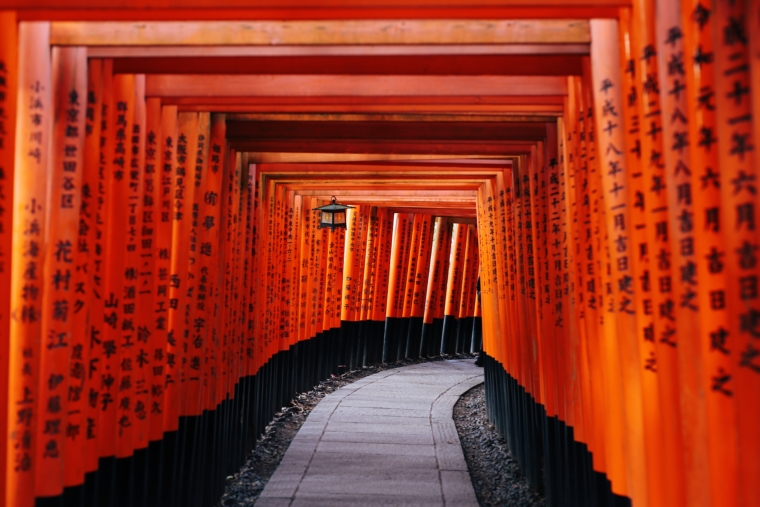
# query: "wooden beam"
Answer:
x=391 y=117
x=353 y=100
x=418 y=65
x=318 y=173
x=188 y=85
x=448 y=195
x=404 y=182
x=464 y=215
x=371 y=182
x=548 y=110
x=391 y=201
x=460 y=206
x=449 y=148
x=432 y=189
x=467 y=162
x=537 y=104
x=384 y=130
x=343 y=50
x=329 y=173
x=275 y=158
x=225 y=10
x=266 y=33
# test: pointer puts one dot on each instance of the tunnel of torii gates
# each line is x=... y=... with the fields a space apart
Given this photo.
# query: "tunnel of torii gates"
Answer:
x=164 y=288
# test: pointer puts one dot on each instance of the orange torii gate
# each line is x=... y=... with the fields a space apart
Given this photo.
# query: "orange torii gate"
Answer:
x=164 y=286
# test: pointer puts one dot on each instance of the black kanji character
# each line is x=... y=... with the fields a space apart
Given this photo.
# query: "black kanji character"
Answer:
x=701 y=15
x=747 y=255
x=744 y=181
x=734 y=32
x=718 y=340
x=748 y=357
x=719 y=382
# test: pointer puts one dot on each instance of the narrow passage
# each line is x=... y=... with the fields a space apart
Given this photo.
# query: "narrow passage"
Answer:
x=388 y=439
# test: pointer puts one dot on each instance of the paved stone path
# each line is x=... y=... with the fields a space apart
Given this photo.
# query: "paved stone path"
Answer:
x=387 y=439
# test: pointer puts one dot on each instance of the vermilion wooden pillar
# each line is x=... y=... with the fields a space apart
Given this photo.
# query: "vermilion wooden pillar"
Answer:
x=381 y=279
x=638 y=187
x=358 y=341
x=588 y=287
x=303 y=274
x=418 y=280
x=440 y=303
x=526 y=276
x=58 y=301
x=367 y=286
x=395 y=277
x=89 y=268
x=155 y=268
x=537 y=253
x=407 y=288
x=433 y=284
x=292 y=244
x=329 y=297
x=680 y=398
x=720 y=411
x=627 y=473
x=485 y=250
x=129 y=337
x=738 y=220
x=349 y=285
x=540 y=227
x=340 y=255
x=664 y=459
x=148 y=117
x=211 y=229
x=162 y=371
x=453 y=285
x=201 y=250
x=29 y=195
x=469 y=276
x=9 y=63
x=253 y=314
x=182 y=199
x=749 y=374
x=319 y=292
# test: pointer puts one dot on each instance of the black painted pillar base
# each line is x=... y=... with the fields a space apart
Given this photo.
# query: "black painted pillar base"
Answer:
x=390 y=342
x=437 y=337
x=362 y=330
x=350 y=331
x=414 y=337
x=477 y=334
x=378 y=333
x=344 y=348
x=402 y=332
x=427 y=340
x=464 y=335
x=545 y=447
x=449 y=335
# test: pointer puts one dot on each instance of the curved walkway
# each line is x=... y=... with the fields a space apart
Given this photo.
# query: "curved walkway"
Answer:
x=387 y=439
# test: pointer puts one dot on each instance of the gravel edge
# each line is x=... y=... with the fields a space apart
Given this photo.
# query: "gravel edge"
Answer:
x=495 y=474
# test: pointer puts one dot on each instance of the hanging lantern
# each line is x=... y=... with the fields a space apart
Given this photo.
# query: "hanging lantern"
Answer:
x=333 y=215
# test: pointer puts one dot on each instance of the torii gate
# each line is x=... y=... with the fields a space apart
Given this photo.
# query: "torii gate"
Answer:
x=591 y=163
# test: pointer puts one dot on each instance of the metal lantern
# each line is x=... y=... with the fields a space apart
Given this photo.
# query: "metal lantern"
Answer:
x=333 y=215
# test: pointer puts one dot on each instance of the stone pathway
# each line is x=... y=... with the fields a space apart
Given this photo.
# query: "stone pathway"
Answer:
x=388 y=439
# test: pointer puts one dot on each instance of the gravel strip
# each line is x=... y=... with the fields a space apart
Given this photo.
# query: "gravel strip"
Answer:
x=244 y=488
x=494 y=472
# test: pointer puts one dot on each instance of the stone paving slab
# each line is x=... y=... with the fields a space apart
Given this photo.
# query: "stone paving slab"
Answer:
x=331 y=461
x=387 y=439
x=397 y=427
x=378 y=438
